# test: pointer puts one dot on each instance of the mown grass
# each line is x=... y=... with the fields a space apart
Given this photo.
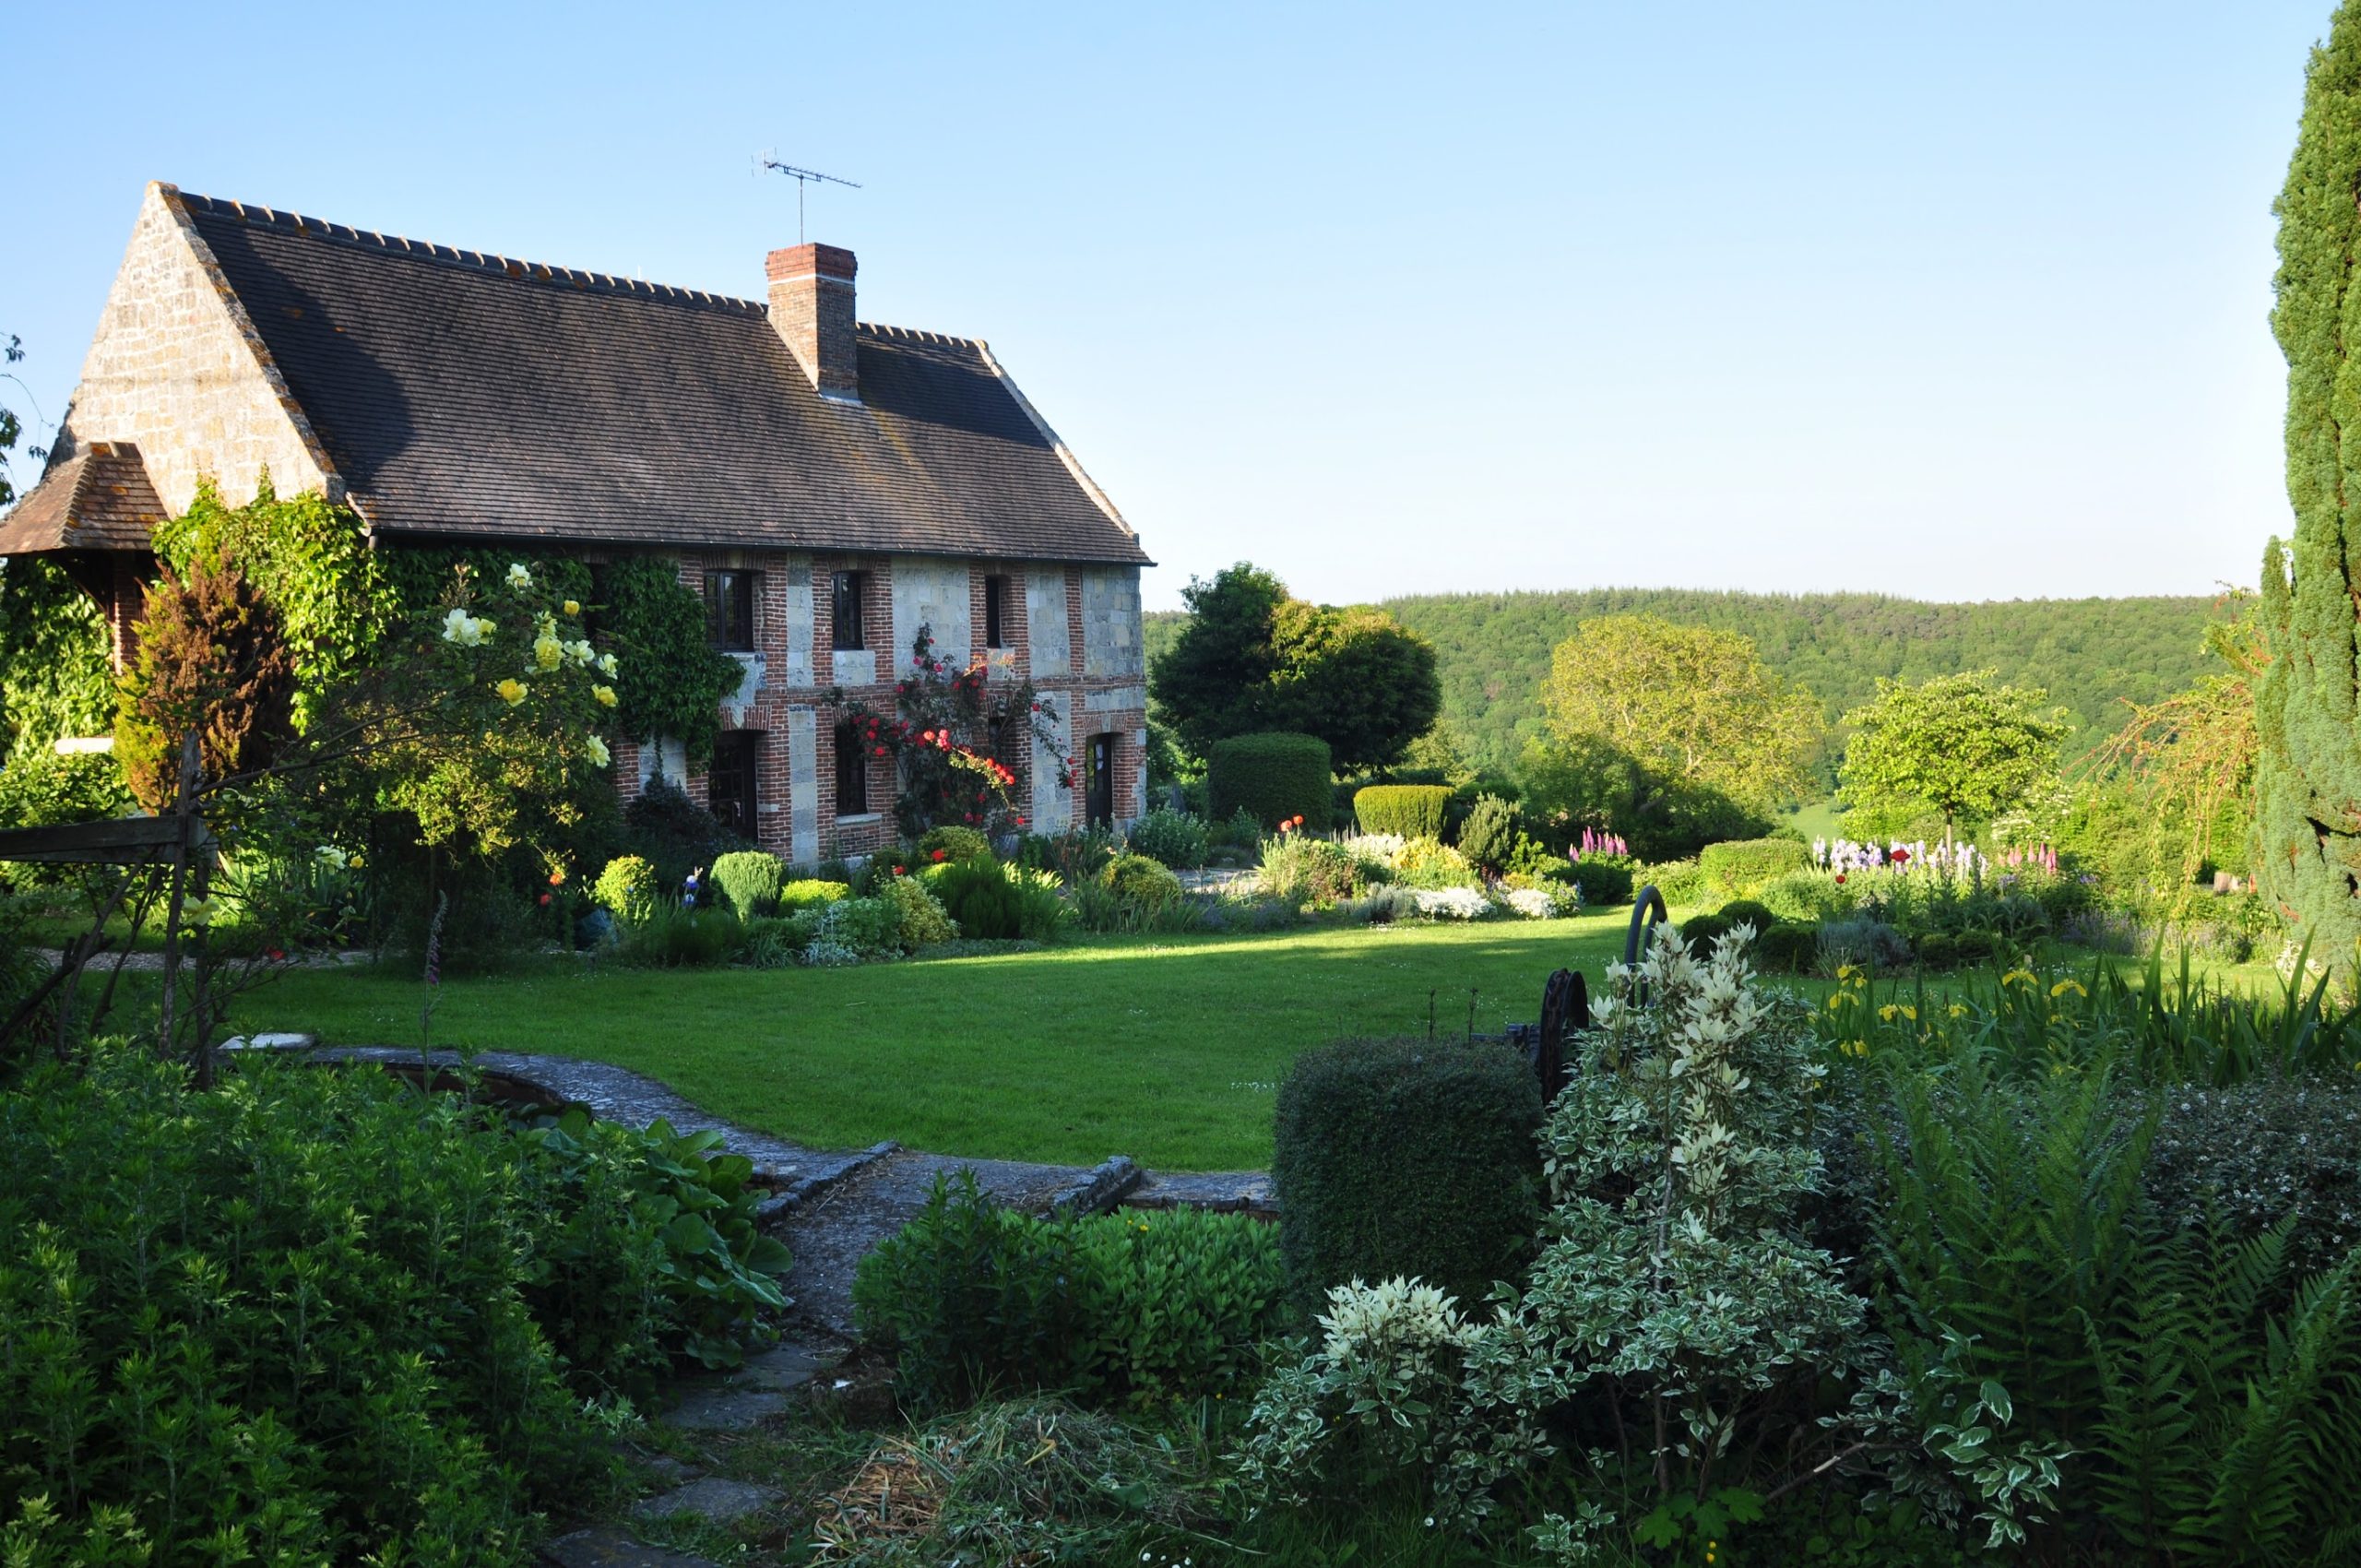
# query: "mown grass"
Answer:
x=1166 y=1049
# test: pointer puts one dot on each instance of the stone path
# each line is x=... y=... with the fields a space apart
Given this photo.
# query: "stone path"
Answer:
x=829 y=1206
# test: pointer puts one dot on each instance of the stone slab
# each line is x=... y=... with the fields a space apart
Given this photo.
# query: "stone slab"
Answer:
x=714 y=1500
x=723 y=1409
x=784 y=1370
x=613 y=1548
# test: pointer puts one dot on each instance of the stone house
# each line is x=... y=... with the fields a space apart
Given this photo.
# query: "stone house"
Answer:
x=826 y=484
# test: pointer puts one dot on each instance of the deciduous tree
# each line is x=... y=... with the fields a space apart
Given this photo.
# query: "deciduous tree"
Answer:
x=1691 y=706
x=1964 y=745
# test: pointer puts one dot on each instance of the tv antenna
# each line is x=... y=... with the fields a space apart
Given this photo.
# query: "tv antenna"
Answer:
x=802 y=177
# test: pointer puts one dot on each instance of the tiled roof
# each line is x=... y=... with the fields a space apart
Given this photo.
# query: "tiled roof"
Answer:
x=98 y=498
x=465 y=394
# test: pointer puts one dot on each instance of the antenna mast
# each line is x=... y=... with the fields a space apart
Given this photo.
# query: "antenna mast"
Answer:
x=802 y=178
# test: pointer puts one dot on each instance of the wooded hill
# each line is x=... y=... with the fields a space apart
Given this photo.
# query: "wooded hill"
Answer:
x=2088 y=653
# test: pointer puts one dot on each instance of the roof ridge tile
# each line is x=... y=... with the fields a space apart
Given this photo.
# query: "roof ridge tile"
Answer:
x=477 y=261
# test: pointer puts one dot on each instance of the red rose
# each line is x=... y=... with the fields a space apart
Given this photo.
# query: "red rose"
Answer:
x=897 y=870
x=545 y=900
x=881 y=751
x=940 y=853
x=1840 y=876
x=557 y=878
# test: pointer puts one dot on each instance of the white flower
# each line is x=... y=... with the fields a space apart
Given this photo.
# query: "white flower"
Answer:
x=581 y=652
x=464 y=629
x=607 y=664
x=332 y=856
x=517 y=576
x=597 y=748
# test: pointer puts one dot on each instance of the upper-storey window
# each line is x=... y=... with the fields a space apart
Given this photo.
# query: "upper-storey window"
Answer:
x=844 y=615
x=995 y=611
x=730 y=610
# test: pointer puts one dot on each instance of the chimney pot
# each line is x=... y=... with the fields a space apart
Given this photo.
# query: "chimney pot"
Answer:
x=812 y=310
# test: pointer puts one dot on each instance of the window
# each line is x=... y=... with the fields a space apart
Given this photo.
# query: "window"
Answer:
x=730 y=610
x=1098 y=795
x=844 y=603
x=852 y=771
x=737 y=762
x=995 y=612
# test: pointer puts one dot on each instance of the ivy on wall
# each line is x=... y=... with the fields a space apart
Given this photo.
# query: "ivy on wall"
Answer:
x=673 y=680
x=55 y=678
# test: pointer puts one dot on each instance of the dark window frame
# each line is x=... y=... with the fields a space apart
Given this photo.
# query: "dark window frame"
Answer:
x=737 y=760
x=995 y=611
x=852 y=771
x=731 y=598
x=847 y=628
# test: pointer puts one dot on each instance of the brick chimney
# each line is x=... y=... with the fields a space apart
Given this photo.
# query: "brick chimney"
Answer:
x=811 y=311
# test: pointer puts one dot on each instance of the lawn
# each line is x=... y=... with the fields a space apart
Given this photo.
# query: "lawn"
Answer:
x=1166 y=1049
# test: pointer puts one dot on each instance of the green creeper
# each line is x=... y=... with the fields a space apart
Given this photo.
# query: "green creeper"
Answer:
x=2308 y=766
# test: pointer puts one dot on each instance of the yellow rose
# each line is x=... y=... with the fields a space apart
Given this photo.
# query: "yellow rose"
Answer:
x=572 y=608
x=355 y=861
x=511 y=691
x=606 y=696
x=548 y=652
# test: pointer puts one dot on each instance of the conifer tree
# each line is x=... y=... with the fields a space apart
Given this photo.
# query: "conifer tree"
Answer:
x=2309 y=766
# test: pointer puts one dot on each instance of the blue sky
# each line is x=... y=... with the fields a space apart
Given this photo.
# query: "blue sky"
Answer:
x=1956 y=302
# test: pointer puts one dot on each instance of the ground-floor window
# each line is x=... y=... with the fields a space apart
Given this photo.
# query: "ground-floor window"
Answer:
x=737 y=764
x=852 y=771
x=1099 y=779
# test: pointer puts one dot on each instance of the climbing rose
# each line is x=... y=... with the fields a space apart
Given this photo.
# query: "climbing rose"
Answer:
x=573 y=607
x=597 y=748
x=511 y=691
x=607 y=664
x=940 y=853
x=606 y=696
x=517 y=576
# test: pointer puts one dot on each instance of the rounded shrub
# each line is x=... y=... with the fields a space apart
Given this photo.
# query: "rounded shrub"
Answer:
x=1787 y=948
x=922 y=921
x=979 y=895
x=949 y=843
x=1406 y=1156
x=750 y=879
x=626 y=889
x=1141 y=880
x=1807 y=896
x=806 y=893
x=1277 y=776
x=1414 y=811
x=1740 y=867
x=1746 y=911
x=1603 y=881
x=1174 y=838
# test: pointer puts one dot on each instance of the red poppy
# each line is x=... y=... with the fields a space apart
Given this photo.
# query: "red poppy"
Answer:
x=1901 y=856
x=1840 y=876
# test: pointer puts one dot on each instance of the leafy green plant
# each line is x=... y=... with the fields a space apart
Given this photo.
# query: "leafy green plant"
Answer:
x=672 y=679
x=717 y=1271
x=286 y=1318
x=751 y=880
x=1172 y=838
x=671 y=937
x=1422 y=862
x=1140 y=880
x=1299 y=867
x=626 y=889
x=920 y=917
x=1488 y=836
x=972 y=1297
x=56 y=672
x=993 y=902
x=950 y=842
x=805 y=893
x=674 y=834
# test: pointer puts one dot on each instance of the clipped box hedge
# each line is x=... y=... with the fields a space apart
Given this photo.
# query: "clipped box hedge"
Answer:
x=1406 y=1156
x=1414 y=810
x=1740 y=867
x=1276 y=777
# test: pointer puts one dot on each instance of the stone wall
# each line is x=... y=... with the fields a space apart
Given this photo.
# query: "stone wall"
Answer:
x=176 y=368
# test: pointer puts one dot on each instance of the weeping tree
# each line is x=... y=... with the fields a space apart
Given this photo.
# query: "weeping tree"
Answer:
x=2308 y=760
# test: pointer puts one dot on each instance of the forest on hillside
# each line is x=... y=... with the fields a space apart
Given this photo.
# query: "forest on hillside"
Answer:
x=2089 y=654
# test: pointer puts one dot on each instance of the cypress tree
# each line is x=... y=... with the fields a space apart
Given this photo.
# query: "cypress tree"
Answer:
x=2308 y=769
